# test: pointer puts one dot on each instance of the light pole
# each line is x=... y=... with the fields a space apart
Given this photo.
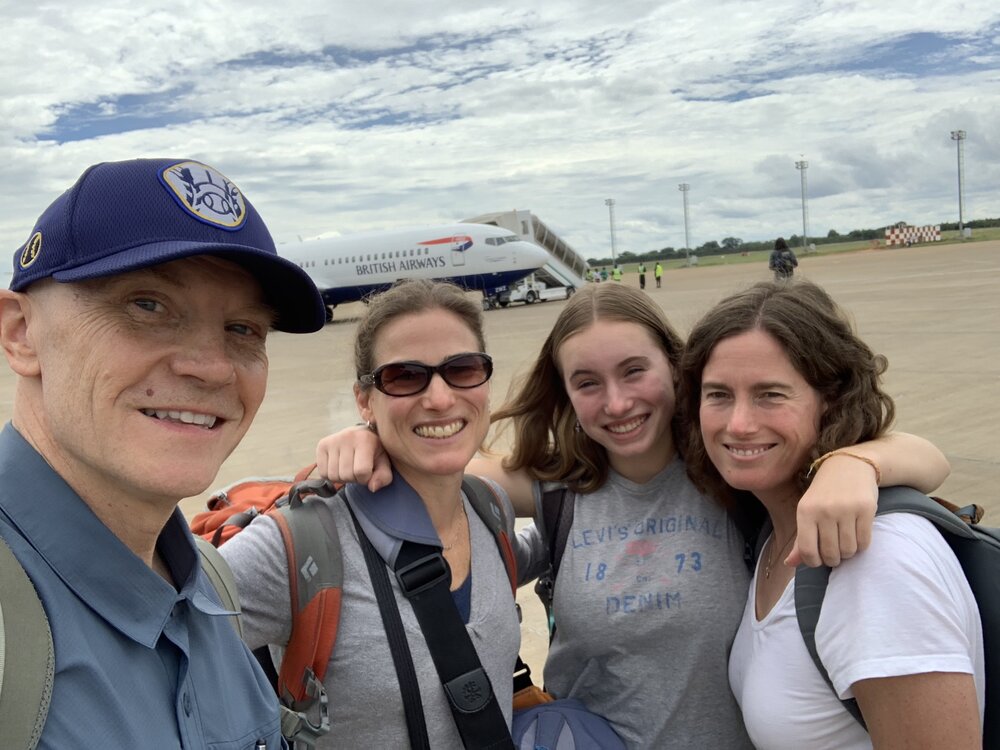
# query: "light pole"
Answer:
x=610 y=203
x=959 y=137
x=802 y=166
x=684 y=188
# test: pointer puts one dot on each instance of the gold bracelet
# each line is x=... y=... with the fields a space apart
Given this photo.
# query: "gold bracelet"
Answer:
x=814 y=466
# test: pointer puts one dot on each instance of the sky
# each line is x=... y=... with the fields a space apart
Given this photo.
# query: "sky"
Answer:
x=336 y=118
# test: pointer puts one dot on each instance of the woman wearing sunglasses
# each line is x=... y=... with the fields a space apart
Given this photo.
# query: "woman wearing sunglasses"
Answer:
x=423 y=387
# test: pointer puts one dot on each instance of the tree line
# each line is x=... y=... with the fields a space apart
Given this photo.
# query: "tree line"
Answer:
x=736 y=245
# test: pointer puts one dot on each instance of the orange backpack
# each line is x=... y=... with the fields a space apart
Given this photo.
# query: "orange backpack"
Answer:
x=232 y=508
x=316 y=576
x=315 y=581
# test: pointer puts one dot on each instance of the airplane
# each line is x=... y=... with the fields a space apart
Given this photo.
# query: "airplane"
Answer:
x=474 y=256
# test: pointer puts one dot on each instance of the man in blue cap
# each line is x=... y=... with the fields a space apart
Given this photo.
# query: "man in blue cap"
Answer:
x=136 y=323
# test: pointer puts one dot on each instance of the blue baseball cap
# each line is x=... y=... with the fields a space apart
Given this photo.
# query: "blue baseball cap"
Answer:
x=126 y=215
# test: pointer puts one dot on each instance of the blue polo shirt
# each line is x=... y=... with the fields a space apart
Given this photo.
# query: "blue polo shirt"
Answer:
x=138 y=664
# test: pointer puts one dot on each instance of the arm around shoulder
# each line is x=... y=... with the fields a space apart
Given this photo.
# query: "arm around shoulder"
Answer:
x=903 y=459
x=835 y=514
x=518 y=485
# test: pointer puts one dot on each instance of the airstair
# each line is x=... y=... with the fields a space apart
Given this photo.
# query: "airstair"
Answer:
x=565 y=268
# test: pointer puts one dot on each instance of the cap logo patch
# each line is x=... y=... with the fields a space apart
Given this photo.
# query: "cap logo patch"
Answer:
x=31 y=250
x=206 y=194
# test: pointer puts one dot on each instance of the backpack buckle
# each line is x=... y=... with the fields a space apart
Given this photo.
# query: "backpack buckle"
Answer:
x=297 y=726
x=422 y=574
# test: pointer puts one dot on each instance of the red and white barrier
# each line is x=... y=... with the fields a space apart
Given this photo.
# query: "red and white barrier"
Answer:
x=911 y=235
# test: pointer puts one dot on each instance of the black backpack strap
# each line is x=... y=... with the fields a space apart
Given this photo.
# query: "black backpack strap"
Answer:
x=555 y=518
x=493 y=513
x=424 y=578
x=409 y=689
x=811 y=583
x=810 y=589
x=27 y=659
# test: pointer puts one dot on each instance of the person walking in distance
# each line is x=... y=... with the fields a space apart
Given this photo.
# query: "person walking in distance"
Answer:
x=782 y=261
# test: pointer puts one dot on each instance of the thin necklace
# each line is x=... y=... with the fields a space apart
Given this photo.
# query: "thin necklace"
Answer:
x=449 y=547
x=770 y=549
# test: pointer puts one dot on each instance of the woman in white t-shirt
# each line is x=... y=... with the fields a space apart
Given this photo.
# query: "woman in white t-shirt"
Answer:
x=775 y=382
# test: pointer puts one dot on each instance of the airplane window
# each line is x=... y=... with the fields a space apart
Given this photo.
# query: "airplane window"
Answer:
x=491 y=240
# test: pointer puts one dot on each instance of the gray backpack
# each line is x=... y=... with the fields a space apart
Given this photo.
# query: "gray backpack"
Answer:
x=27 y=671
x=978 y=551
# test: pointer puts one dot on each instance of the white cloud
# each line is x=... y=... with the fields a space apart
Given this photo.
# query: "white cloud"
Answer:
x=338 y=119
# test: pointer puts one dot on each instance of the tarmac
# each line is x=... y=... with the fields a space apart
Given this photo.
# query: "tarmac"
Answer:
x=934 y=311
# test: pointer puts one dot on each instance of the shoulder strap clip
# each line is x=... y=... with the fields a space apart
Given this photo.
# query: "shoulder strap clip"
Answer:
x=422 y=574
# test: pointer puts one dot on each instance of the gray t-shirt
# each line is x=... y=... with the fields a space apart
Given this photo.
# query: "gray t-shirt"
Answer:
x=365 y=705
x=648 y=599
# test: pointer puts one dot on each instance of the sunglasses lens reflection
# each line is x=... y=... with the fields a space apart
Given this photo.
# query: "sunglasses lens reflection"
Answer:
x=410 y=378
x=403 y=379
x=466 y=372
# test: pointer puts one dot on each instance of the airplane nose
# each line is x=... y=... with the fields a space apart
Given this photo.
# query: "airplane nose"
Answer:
x=530 y=255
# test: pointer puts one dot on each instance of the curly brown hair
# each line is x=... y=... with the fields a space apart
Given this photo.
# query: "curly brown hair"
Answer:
x=819 y=340
x=545 y=443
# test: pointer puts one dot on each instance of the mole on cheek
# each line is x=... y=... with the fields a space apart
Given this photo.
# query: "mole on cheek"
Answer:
x=149 y=391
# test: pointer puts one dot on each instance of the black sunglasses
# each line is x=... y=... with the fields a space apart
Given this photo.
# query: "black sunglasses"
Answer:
x=411 y=378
